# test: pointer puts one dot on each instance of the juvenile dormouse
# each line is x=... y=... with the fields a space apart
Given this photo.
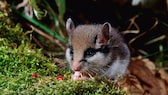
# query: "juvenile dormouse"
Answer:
x=96 y=49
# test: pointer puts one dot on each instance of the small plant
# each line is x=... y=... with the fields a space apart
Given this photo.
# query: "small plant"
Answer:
x=46 y=22
x=25 y=70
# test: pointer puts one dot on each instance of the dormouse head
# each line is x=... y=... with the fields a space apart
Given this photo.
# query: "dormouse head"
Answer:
x=89 y=46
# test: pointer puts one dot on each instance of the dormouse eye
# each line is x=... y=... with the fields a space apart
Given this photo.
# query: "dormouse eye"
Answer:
x=71 y=50
x=90 y=52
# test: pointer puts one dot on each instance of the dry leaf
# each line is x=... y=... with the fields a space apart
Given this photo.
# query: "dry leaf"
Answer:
x=163 y=75
x=143 y=79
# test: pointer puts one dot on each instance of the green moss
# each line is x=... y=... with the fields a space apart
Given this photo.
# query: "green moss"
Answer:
x=19 y=59
x=17 y=64
x=12 y=32
x=69 y=87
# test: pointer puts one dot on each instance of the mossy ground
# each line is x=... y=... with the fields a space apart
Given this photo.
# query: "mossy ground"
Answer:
x=19 y=59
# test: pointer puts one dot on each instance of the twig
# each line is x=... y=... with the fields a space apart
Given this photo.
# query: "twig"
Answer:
x=38 y=43
x=153 y=26
x=47 y=36
x=137 y=31
x=22 y=4
x=132 y=22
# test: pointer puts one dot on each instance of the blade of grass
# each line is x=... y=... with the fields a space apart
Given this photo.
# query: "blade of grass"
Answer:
x=156 y=39
x=57 y=18
x=61 y=7
x=42 y=26
x=155 y=53
x=164 y=23
x=53 y=15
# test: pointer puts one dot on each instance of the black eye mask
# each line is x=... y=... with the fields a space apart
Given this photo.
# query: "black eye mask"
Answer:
x=71 y=51
x=91 y=51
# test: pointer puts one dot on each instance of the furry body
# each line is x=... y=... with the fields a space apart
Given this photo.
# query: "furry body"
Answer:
x=96 y=50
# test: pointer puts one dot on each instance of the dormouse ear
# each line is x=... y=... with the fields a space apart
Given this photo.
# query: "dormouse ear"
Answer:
x=106 y=31
x=104 y=36
x=70 y=26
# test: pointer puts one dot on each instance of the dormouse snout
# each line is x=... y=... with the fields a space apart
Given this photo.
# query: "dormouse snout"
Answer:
x=78 y=65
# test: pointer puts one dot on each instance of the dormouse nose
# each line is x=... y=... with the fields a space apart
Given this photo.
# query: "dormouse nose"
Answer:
x=77 y=66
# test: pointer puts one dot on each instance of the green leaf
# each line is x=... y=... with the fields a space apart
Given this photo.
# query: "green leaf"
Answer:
x=37 y=11
x=61 y=7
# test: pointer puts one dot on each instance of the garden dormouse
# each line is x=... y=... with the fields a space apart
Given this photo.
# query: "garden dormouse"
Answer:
x=96 y=49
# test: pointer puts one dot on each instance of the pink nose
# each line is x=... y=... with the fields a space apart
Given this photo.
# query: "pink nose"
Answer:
x=77 y=68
